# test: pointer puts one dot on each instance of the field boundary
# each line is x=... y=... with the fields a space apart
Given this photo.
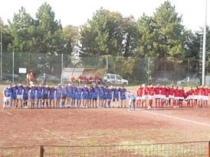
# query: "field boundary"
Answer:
x=194 y=148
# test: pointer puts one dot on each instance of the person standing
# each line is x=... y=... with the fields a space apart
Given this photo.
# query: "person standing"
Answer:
x=132 y=100
x=44 y=79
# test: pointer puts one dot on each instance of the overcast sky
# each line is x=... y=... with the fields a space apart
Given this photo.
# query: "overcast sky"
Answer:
x=76 y=12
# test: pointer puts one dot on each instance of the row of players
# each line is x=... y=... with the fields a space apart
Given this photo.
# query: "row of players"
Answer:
x=102 y=96
x=17 y=96
x=162 y=96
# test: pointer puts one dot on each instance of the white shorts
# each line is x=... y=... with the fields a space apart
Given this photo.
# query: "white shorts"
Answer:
x=150 y=97
x=7 y=99
x=19 y=96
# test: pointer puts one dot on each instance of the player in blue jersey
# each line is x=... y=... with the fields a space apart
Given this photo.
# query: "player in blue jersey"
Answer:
x=109 y=96
x=94 y=96
x=78 y=96
x=63 y=96
x=116 y=95
x=69 y=95
x=14 y=96
x=52 y=97
x=39 y=96
x=32 y=95
x=73 y=96
x=123 y=96
x=85 y=96
x=19 y=90
x=101 y=96
x=7 y=97
x=45 y=96
x=25 y=96
x=58 y=91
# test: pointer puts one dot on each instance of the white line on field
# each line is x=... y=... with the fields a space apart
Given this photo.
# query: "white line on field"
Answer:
x=6 y=112
x=177 y=118
x=61 y=137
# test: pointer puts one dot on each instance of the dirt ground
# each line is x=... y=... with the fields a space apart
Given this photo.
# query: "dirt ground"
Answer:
x=102 y=126
x=19 y=127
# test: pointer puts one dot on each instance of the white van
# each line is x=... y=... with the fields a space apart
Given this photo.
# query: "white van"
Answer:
x=114 y=79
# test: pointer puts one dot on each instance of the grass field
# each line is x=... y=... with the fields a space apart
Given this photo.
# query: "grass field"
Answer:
x=91 y=127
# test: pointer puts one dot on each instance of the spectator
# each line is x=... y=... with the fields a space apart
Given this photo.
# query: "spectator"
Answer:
x=44 y=79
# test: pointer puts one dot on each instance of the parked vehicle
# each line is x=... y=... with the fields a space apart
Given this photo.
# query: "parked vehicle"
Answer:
x=189 y=80
x=49 y=78
x=163 y=81
x=9 y=77
x=114 y=79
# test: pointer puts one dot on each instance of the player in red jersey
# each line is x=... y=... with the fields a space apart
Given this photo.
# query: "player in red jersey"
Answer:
x=157 y=96
x=151 y=92
x=190 y=97
x=139 y=96
x=162 y=96
x=176 y=97
x=195 y=97
x=205 y=96
x=181 y=96
x=171 y=95
x=144 y=96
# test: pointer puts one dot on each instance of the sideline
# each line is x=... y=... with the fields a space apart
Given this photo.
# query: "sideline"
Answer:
x=2 y=110
x=177 y=118
x=61 y=137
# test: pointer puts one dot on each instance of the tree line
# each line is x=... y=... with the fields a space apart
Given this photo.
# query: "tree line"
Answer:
x=161 y=36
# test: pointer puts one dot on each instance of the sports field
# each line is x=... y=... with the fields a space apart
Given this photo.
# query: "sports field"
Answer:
x=108 y=126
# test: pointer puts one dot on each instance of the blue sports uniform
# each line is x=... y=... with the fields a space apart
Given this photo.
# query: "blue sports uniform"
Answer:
x=39 y=92
x=122 y=93
x=33 y=93
x=79 y=93
x=19 y=90
x=101 y=92
x=25 y=92
x=14 y=93
x=115 y=94
x=51 y=93
x=58 y=92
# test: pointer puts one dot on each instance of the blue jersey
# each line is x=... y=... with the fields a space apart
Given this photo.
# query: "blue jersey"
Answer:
x=69 y=91
x=52 y=93
x=79 y=93
x=109 y=93
x=19 y=90
x=45 y=91
x=25 y=93
x=39 y=92
x=14 y=92
x=58 y=92
x=7 y=92
x=94 y=93
x=85 y=93
x=116 y=93
x=122 y=93
x=33 y=93
x=101 y=92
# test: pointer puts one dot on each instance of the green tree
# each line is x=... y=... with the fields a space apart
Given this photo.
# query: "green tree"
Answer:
x=169 y=35
x=50 y=38
x=20 y=28
x=101 y=34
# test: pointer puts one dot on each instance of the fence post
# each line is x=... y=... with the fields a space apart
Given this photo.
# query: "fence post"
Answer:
x=41 y=151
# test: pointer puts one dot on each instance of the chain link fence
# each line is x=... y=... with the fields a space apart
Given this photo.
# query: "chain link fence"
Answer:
x=182 y=149
x=15 y=66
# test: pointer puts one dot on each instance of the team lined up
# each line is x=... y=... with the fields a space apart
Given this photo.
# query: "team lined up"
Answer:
x=61 y=96
x=163 y=96
x=44 y=96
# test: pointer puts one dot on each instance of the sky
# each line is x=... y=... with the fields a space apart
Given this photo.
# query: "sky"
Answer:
x=77 y=12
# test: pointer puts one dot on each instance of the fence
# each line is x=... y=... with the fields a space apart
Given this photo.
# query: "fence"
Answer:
x=182 y=149
x=136 y=70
